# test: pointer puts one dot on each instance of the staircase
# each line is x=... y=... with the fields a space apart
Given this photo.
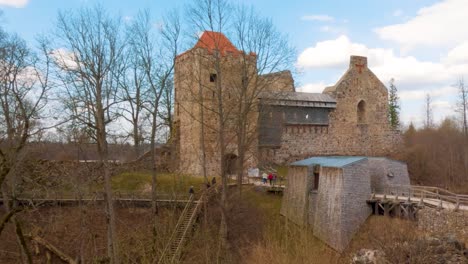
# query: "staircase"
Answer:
x=172 y=251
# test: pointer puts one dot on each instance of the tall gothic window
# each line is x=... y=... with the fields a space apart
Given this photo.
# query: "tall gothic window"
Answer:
x=361 y=112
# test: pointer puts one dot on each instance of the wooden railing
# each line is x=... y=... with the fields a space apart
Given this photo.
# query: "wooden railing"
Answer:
x=173 y=249
x=432 y=196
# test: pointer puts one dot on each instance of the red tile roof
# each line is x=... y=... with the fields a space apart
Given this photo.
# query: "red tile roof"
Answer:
x=211 y=41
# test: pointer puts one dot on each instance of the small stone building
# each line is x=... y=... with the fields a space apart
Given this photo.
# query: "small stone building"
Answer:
x=329 y=193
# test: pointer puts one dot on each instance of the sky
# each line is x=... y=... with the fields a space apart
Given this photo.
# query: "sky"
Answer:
x=422 y=44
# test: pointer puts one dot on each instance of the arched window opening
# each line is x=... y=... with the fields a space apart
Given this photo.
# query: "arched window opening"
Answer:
x=361 y=112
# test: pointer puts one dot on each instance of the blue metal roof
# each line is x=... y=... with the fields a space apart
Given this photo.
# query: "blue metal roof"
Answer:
x=329 y=161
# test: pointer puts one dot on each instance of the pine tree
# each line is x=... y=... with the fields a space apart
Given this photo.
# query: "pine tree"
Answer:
x=393 y=105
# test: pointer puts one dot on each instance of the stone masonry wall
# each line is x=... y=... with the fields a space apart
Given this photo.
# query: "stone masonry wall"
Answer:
x=350 y=131
x=385 y=172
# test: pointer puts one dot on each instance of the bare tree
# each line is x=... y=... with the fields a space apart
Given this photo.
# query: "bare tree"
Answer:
x=213 y=15
x=89 y=61
x=157 y=65
x=24 y=85
x=462 y=108
x=462 y=105
x=428 y=112
x=265 y=51
x=132 y=93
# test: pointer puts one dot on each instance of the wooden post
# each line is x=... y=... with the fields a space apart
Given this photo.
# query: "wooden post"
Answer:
x=398 y=210
x=386 y=209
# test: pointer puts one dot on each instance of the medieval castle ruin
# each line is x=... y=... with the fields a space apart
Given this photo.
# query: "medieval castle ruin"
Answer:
x=349 y=118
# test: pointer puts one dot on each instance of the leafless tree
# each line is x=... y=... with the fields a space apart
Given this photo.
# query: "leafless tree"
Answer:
x=462 y=108
x=213 y=15
x=132 y=94
x=428 y=112
x=266 y=51
x=89 y=58
x=24 y=86
x=157 y=64
x=462 y=105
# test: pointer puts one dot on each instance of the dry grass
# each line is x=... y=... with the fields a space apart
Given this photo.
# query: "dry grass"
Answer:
x=83 y=233
x=166 y=183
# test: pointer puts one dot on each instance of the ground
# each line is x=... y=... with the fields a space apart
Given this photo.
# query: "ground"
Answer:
x=257 y=232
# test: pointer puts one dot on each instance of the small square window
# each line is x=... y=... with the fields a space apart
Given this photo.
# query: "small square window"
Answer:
x=213 y=77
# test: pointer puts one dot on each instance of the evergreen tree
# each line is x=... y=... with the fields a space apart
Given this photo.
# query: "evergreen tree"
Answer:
x=393 y=105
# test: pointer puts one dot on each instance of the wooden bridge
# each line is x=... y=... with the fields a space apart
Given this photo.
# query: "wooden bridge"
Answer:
x=121 y=198
x=173 y=250
x=406 y=200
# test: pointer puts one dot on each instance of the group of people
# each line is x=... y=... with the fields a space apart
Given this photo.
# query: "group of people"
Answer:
x=271 y=177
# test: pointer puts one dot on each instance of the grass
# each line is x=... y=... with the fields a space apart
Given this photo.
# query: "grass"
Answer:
x=282 y=171
x=269 y=203
x=166 y=183
x=282 y=241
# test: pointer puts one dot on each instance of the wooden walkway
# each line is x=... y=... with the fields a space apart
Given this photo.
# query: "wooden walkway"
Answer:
x=406 y=200
x=173 y=250
x=122 y=199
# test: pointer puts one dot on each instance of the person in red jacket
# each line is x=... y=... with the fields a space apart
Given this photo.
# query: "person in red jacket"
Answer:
x=270 y=178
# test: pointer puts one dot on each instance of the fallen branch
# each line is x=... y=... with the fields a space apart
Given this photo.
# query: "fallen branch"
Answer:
x=52 y=249
x=7 y=218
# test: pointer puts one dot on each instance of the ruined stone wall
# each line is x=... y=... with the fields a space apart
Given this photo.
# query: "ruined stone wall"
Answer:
x=295 y=197
x=357 y=127
x=385 y=172
x=64 y=174
x=278 y=82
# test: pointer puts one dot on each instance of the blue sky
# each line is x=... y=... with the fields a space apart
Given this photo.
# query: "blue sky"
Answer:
x=421 y=43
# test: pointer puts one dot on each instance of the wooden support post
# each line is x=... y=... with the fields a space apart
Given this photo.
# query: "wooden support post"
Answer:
x=386 y=209
x=398 y=210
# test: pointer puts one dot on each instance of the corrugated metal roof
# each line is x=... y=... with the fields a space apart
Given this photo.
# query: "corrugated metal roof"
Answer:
x=298 y=96
x=330 y=161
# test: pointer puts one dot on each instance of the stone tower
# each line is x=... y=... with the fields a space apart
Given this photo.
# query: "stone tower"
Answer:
x=213 y=67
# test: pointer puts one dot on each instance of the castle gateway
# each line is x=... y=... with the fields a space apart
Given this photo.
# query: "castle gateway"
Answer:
x=347 y=119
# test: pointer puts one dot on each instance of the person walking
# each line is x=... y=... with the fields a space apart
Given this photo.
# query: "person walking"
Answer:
x=191 y=191
x=264 y=178
x=270 y=178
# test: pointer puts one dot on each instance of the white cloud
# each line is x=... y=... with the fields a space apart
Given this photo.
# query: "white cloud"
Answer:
x=322 y=18
x=14 y=3
x=329 y=53
x=421 y=94
x=64 y=58
x=384 y=63
x=459 y=54
x=436 y=25
x=313 y=87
